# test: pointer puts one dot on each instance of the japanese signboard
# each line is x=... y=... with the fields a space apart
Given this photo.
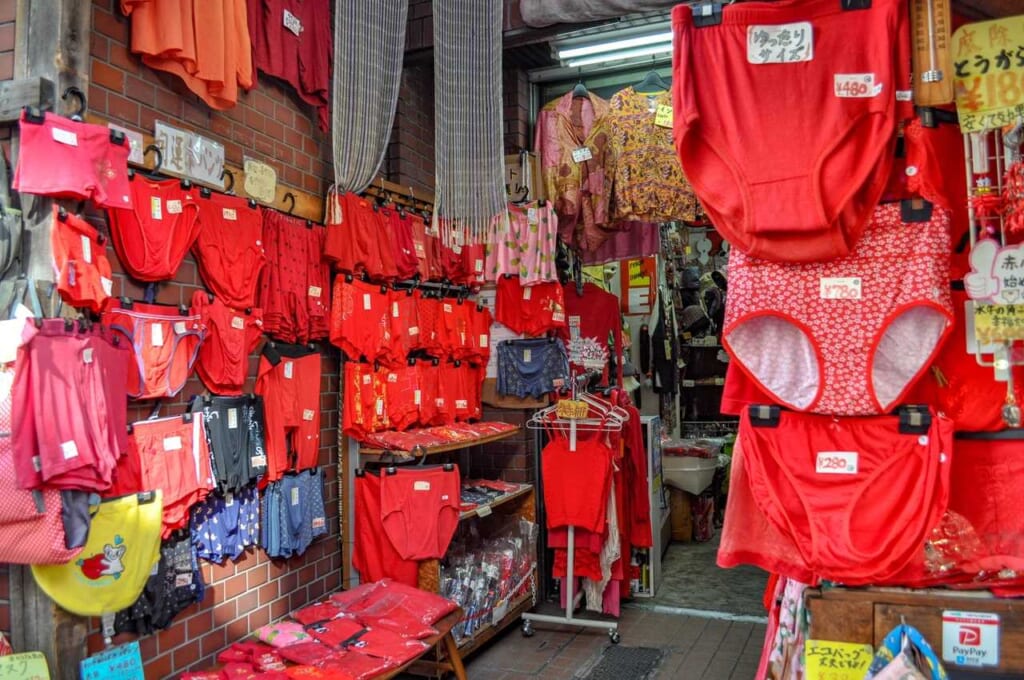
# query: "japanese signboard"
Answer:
x=998 y=323
x=970 y=638
x=187 y=154
x=27 y=666
x=988 y=73
x=123 y=662
x=826 y=660
x=996 y=285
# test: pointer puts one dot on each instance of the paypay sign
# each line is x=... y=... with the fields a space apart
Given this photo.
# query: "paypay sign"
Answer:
x=970 y=638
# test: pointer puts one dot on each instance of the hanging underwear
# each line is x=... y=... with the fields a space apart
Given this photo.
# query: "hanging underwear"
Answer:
x=80 y=262
x=855 y=496
x=373 y=554
x=231 y=336
x=857 y=332
x=531 y=367
x=360 y=319
x=289 y=382
x=153 y=236
x=823 y=116
x=234 y=429
x=229 y=249
x=420 y=510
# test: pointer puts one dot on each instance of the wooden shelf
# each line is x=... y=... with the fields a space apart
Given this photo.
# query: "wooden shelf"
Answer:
x=488 y=508
x=443 y=448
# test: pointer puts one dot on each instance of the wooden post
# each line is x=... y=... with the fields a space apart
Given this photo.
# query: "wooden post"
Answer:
x=51 y=42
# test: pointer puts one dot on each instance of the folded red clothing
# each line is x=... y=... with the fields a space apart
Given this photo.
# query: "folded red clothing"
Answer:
x=237 y=671
x=386 y=644
x=314 y=673
x=306 y=652
x=337 y=631
x=430 y=606
x=348 y=598
x=391 y=614
x=271 y=675
x=314 y=613
x=201 y=675
x=356 y=666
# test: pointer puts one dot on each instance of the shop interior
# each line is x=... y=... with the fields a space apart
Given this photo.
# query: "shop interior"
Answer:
x=507 y=340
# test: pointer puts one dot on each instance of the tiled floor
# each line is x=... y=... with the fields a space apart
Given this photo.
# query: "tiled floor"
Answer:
x=695 y=649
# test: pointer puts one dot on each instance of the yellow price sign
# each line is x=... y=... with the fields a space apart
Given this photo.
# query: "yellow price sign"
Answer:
x=26 y=666
x=998 y=323
x=663 y=116
x=827 y=660
x=988 y=73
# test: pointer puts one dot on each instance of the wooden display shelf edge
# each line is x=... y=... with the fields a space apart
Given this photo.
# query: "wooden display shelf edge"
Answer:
x=443 y=448
x=515 y=495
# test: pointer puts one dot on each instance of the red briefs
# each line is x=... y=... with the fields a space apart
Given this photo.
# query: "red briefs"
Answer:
x=531 y=310
x=63 y=158
x=824 y=118
x=406 y=258
x=430 y=338
x=354 y=240
x=420 y=510
x=70 y=423
x=152 y=237
x=854 y=496
x=80 y=262
x=165 y=343
x=360 y=319
x=404 y=326
x=577 y=483
x=169 y=454
x=294 y=288
x=373 y=554
x=289 y=381
x=231 y=336
x=229 y=250
x=403 y=395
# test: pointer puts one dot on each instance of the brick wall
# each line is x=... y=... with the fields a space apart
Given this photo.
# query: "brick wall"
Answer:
x=516 y=102
x=410 y=155
x=509 y=459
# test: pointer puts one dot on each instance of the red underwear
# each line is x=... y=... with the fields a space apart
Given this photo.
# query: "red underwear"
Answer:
x=229 y=250
x=80 y=262
x=420 y=510
x=360 y=319
x=373 y=555
x=231 y=336
x=824 y=116
x=857 y=331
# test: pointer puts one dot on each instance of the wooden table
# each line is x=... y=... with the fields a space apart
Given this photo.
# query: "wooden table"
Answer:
x=444 y=637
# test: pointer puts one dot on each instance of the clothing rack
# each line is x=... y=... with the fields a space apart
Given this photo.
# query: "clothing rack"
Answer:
x=612 y=419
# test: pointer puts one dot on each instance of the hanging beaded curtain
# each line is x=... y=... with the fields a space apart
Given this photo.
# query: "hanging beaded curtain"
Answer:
x=469 y=175
x=369 y=42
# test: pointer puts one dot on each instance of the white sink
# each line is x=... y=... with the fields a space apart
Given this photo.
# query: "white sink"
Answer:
x=689 y=473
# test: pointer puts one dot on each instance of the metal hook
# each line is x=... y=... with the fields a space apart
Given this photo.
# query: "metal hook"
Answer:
x=80 y=96
x=289 y=196
x=159 y=156
x=230 y=188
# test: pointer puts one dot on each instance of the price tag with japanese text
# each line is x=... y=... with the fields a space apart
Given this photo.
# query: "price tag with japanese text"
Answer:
x=780 y=44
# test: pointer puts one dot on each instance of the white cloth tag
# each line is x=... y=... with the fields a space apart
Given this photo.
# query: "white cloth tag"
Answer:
x=421 y=486
x=87 y=249
x=581 y=154
x=392 y=377
x=484 y=340
x=840 y=288
x=156 y=335
x=156 y=210
x=232 y=418
x=315 y=291
x=87 y=355
x=367 y=379
x=64 y=136
x=289 y=370
x=292 y=23
x=172 y=443
x=780 y=44
x=417 y=397
x=527 y=293
x=174 y=207
x=237 y=322
x=394 y=310
x=904 y=95
x=558 y=317
x=108 y=285
x=308 y=414
x=836 y=463
x=180 y=327
x=478 y=266
x=856 y=85
x=69 y=449
x=230 y=214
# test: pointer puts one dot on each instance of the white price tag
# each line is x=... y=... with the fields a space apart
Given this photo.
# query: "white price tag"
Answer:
x=417 y=397
x=108 y=285
x=484 y=340
x=462 y=404
x=840 y=288
x=315 y=291
x=421 y=486
x=156 y=335
x=87 y=249
x=531 y=216
x=295 y=496
x=367 y=379
x=367 y=302
x=380 y=407
x=558 y=317
x=319 y=522
x=527 y=355
x=258 y=461
x=527 y=293
x=87 y=355
x=37 y=462
x=232 y=418
x=172 y=443
x=392 y=377
x=308 y=414
x=484 y=511
x=174 y=207
x=394 y=310
x=856 y=85
x=581 y=154
x=237 y=322
x=230 y=214
x=478 y=265
x=156 y=210
x=180 y=327
x=836 y=463
x=69 y=449
x=289 y=370
x=447 y=308
x=780 y=44
x=229 y=499
x=414 y=330
x=292 y=23
x=64 y=136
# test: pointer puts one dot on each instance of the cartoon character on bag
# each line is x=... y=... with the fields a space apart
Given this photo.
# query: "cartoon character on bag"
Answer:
x=106 y=563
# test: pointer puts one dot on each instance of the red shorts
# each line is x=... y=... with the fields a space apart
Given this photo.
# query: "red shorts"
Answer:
x=366 y=399
x=479 y=345
x=828 y=172
x=289 y=381
x=431 y=334
x=353 y=241
x=420 y=510
x=530 y=310
x=404 y=327
x=373 y=555
x=453 y=327
x=69 y=427
x=387 y=246
x=153 y=236
x=402 y=383
x=354 y=416
x=407 y=262
x=360 y=323
x=473 y=258
x=421 y=246
x=67 y=159
x=165 y=343
x=428 y=393
x=231 y=336
x=169 y=454
x=576 y=483
x=854 y=495
x=80 y=262
x=293 y=288
x=229 y=250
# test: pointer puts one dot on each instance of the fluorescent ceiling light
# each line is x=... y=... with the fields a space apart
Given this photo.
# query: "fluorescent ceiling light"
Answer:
x=614 y=46
x=622 y=54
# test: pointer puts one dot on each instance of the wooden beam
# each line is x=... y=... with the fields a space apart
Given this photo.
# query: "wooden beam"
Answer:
x=17 y=94
x=58 y=52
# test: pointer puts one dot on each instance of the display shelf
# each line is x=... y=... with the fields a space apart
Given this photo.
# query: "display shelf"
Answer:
x=442 y=448
x=486 y=510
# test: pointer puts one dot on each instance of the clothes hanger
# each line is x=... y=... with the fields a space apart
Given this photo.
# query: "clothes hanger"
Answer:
x=579 y=89
x=652 y=82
